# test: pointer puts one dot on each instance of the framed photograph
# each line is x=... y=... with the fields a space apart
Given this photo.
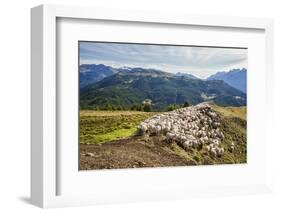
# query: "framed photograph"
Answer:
x=131 y=106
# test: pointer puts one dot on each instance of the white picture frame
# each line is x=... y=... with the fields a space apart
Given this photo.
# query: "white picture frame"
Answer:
x=44 y=153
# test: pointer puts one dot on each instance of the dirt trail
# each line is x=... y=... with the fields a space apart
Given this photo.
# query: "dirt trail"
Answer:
x=136 y=152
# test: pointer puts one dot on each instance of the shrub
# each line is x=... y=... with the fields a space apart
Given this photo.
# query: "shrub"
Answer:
x=147 y=107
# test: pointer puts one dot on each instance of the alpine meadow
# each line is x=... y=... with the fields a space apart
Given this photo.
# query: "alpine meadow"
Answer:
x=157 y=105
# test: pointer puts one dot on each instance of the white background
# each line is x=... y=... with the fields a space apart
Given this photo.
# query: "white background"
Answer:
x=15 y=105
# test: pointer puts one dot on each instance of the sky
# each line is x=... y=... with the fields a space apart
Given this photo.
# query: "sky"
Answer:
x=199 y=61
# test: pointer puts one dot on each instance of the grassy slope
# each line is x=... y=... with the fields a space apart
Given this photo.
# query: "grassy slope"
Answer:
x=103 y=126
x=234 y=125
x=97 y=127
x=240 y=112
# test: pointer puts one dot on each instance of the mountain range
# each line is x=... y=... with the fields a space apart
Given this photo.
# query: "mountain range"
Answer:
x=127 y=87
x=91 y=73
x=236 y=78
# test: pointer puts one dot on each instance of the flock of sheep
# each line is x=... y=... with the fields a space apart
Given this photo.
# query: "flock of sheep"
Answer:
x=195 y=127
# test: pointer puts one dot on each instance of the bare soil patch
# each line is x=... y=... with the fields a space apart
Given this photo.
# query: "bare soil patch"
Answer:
x=136 y=152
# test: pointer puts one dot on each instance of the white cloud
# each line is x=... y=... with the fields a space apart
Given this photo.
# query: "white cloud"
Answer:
x=200 y=61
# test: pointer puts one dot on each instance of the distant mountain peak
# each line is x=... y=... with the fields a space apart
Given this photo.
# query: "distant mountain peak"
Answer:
x=91 y=73
x=188 y=75
x=139 y=71
x=236 y=78
x=126 y=68
x=93 y=67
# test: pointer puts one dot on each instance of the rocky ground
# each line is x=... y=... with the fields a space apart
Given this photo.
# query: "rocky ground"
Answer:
x=196 y=135
x=135 y=152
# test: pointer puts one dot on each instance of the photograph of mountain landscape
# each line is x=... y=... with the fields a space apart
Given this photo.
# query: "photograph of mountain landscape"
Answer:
x=156 y=105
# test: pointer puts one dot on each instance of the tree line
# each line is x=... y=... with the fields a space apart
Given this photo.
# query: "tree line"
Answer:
x=145 y=106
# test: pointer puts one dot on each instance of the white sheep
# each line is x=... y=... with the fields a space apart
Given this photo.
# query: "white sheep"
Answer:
x=184 y=126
